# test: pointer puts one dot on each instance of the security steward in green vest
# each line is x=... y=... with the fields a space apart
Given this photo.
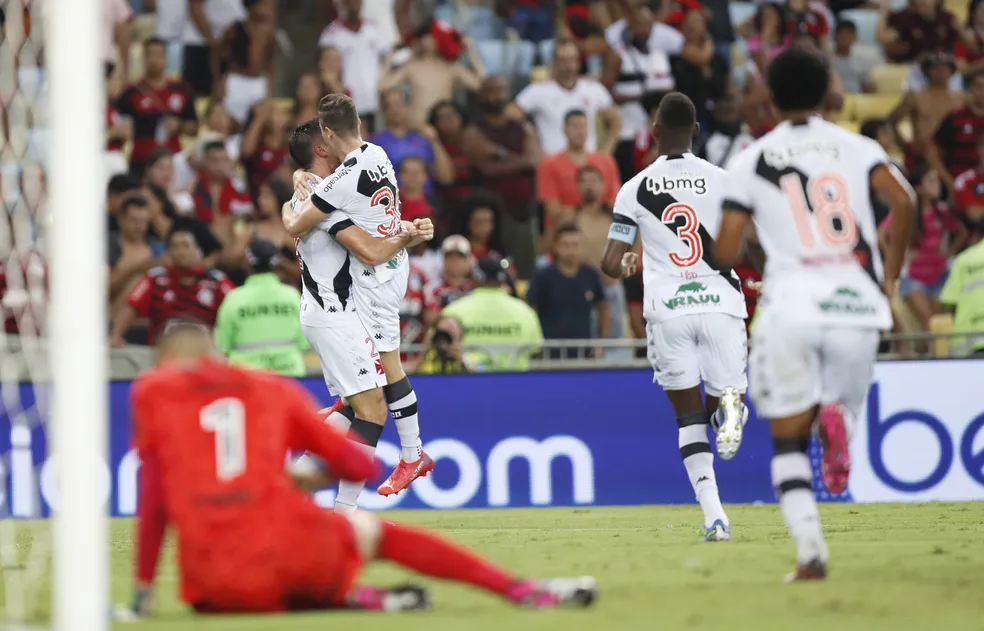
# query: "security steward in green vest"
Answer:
x=258 y=324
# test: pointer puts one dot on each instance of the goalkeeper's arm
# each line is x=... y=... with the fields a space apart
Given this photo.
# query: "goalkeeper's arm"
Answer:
x=151 y=526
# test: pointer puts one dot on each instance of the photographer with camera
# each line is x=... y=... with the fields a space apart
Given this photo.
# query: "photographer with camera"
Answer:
x=443 y=357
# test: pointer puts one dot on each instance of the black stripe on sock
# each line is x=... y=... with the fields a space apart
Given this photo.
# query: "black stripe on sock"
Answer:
x=404 y=412
x=797 y=445
x=694 y=448
x=365 y=432
x=398 y=390
x=693 y=418
x=348 y=413
x=797 y=484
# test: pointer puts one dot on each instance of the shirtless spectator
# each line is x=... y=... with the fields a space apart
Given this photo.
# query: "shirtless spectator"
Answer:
x=955 y=144
x=432 y=77
x=927 y=107
x=131 y=251
x=924 y=26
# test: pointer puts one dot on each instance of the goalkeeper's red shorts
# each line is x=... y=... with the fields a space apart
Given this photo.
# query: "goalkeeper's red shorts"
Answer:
x=316 y=569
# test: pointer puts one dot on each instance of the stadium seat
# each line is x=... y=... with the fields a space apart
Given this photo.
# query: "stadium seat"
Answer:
x=506 y=58
x=959 y=8
x=481 y=23
x=890 y=78
x=941 y=324
x=850 y=125
x=539 y=73
x=867 y=23
x=905 y=129
x=874 y=106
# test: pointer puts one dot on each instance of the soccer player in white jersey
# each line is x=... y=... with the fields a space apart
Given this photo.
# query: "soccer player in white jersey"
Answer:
x=348 y=356
x=362 y=194
x=809 y=185
x=695 y=311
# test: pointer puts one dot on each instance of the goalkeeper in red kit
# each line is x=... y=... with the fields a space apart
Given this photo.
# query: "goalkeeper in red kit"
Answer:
x=213 y=441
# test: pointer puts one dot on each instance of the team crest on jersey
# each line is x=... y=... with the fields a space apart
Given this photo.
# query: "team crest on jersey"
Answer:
x=692 y=182
x=206 y=296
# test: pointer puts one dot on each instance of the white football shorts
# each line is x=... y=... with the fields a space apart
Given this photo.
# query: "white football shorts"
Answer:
x=348 y=356
x=688 y=348
x=379 y=309
x=796 y=366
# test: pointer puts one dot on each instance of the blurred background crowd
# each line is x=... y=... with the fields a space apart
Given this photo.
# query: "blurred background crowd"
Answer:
x=511 y=123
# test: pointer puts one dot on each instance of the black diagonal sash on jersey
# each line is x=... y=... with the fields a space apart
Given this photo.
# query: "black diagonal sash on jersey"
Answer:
x=862 y=250
x=309 y=283
x=659 y=202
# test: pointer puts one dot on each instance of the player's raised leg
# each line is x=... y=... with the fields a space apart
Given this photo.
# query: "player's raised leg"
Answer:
x=673 y=352
x=430 y=555
x=723 y=355
x=402 y=402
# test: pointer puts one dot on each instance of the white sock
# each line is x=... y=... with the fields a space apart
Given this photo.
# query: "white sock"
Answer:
x=402 y=401
x=791 y=476
x=348 y=491
x=699 y=462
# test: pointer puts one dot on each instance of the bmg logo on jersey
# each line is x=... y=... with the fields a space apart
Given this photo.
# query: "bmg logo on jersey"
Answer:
x=696 y=184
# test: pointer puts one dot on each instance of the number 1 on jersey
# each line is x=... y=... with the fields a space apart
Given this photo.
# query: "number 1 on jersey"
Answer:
x=687 y=233
x=226 y=418
x=828 y=196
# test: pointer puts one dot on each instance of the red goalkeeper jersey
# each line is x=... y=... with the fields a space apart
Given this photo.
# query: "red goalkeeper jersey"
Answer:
x=214 y=440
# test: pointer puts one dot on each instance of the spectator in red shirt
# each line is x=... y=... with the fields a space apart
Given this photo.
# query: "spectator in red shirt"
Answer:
x=922 y=27
x=969 y=189
x=969 y=52
x=414 y=204
x=217 y=196
x=955 y=144
x=449 y=120
x=180 y=289
x=479 y=224
x=556 y=176
x=802 y=18
x=456 y=277
x=161 y=109
x=264 y=147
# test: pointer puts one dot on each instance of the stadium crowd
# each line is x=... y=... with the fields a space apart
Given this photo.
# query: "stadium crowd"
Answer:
x=512 y=124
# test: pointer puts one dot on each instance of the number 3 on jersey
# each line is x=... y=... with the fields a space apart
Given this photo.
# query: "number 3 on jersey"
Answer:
x=687 y=231
x=387 y=195
x=226 y=418
x=827 y=195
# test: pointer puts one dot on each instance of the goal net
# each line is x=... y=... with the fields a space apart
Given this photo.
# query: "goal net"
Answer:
x=52 y=435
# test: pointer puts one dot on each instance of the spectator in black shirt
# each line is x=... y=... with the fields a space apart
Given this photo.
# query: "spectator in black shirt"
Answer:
x=566 y=293
x=165 y=219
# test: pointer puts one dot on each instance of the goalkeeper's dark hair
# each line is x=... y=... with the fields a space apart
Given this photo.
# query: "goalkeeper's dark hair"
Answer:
x=798 y=80
x=301 y=143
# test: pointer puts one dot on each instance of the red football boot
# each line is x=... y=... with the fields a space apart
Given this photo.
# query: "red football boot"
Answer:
x=405 y=473
x=815 y=570
x=324 y=413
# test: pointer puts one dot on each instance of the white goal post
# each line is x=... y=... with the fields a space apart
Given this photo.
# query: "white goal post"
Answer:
x=74 y=53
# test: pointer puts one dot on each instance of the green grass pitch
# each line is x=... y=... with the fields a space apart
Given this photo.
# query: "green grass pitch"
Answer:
x=894 y=567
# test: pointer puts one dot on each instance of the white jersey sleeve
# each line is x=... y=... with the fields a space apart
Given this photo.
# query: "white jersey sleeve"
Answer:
x=740 y=169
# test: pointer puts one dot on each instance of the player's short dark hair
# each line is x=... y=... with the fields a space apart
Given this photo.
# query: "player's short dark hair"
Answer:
x=301 y=143
x=337 y=112
x=132 y=201
x=213 y=145
x=154 y=41
x=122 y=183
x=798 y=80
x=571 y=114
x=567 y=228
x=846 y=25
x=180 y=230
x=676 y=113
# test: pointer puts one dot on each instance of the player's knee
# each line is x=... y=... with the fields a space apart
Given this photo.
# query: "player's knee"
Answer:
x=368 y=531
x=370 y=406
